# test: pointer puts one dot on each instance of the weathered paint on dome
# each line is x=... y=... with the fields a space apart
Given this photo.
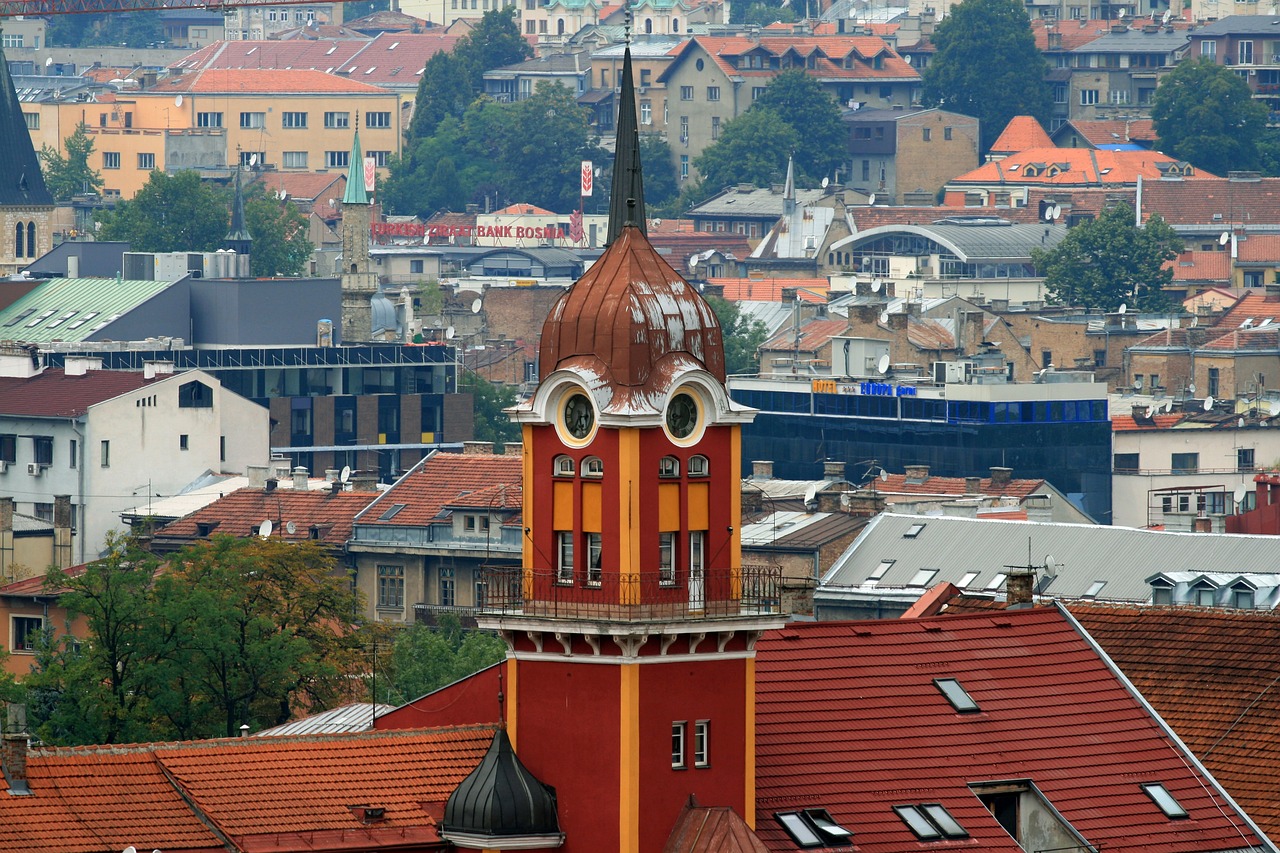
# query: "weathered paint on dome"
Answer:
x=631 y=310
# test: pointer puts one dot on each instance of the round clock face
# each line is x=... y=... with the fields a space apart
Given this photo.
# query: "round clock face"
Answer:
x=682 y=415
x=579 y=416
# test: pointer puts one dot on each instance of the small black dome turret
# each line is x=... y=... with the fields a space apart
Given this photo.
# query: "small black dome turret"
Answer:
x=501 y=804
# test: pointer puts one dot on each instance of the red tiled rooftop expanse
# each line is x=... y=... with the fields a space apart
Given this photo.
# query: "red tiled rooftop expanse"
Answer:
x=1082 y=166
x=813 y=335
x=1218 y=202
x=849 y=719
x=1127 y=423
x=265 y=82
x=897 y=484
x=54 y=394
x=1020 y=134
x=1073 y=33
x=443 y=479
x=1116 y=131
x=1255 y=306
x=1211 y=674
x=263 y=794
x=769 y=289
x=1201 y=266
x=243 y=510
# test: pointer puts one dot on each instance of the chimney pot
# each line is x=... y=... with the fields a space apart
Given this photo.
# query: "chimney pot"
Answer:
x=833 y=470
x=1018 y=587
x=14 y=759
x=300 y=479
x=477 y=448
x=916 y=473
x=973 y=485
x=762 y=469
x=1001 y=476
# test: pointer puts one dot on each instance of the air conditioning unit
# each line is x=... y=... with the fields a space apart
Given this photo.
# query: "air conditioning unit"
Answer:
x=952 y=372
x=35 y=469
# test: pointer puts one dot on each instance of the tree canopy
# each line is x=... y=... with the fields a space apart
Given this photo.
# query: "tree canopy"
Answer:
x=71 y=175
x=1109 y=261
x=281 y=245
x=444 y=91
x=488 y=401
x=171 y=213
x=753 y=148
x=987 y=66
x=427 y=657
x=494 y=42
x=742 y=336
x=1204 y=113
x=801 y=102
x=224 y=633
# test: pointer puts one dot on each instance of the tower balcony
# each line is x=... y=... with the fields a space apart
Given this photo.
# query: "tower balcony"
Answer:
x=631 y=597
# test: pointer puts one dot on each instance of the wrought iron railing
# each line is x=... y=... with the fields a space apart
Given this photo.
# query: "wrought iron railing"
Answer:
x=716 y=593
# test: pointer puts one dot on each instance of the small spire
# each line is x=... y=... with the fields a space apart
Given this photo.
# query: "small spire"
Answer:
x=239 y=231
x=789 y=192
x=355 y=193
x=626 y=198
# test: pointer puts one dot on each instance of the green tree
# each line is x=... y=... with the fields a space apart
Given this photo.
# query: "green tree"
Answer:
x=753 y=149
x=821 y=138
x=661 y=185
x=547 y=136
x=494 y=42
x=444 y=90
x=743 y=336
x=1109 y=261
x=987 y=66
x=136 y=29
x=427 y=657
x=488 y=402
x=411 y=188
x=764 y=14
x=71 y=175
x=281 y=245
x=1204 y=113
x=171 y=213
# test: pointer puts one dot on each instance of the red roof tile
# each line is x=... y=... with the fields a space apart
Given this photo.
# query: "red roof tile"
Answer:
x=1246 y=339
x=53 y=394
x=263 y=82
x=1075 y=167
x=1127 y=423
x=1211 y=674
x=523 y=209
x=849 y=719
x=1253 y=306
x=769 y=289
x=1116 y=131
x=1259 y=247
x=1216 y=202
x=1201 y=266
x=814 y=335
x=1073 y=34
x=305 y=186
x=242 y=511
x=897 y=484
x=1021 y=133
x=449 y=479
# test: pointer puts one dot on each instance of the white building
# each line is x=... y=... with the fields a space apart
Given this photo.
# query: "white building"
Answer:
x=108 y=439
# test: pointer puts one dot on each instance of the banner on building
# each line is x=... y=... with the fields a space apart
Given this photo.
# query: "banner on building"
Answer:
x=370 y=173
x=588 y=177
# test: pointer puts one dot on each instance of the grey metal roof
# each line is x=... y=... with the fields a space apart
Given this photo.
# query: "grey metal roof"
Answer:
x=976 y=242
x=1263 y=25
x=74 y=309
x=1136 y=41
x=642 y=47
x=357 y=717
x=1124 y=557
x=757 y=201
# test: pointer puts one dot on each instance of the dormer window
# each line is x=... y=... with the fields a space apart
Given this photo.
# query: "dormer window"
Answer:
x=593 y=466
x=698 y=466
x=1205 y=595
x=669 y=466
x=564 y=466
x=1242 y=598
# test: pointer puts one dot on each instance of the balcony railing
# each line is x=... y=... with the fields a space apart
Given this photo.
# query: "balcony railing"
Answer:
x=718 y=593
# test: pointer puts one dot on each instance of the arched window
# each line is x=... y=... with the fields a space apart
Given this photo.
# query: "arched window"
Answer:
x=675 y=25
x=559 y=26
x=563 y=467
x=698 y=466
x=593 y=466
x=669 y=466
x=648 y=25
x=19 y=241
x=31 y=239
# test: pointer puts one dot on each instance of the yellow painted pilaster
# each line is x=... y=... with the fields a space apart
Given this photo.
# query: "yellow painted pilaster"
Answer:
x=512 y=698
x=749 y=762
x=628 y=509
x=629 y=764
x=526 y=543
x=735 y=516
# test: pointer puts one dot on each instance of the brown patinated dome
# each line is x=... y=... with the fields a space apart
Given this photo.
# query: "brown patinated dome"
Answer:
x=633 y=313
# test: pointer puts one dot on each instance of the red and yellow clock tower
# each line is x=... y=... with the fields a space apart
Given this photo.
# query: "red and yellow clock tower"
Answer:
x=632 y=624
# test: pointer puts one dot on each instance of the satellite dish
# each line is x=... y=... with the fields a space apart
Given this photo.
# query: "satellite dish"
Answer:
x=1240 y=492
x=1167 y=14
x=1120 y=15
x=1057 y=211
x=1208 y=402
x=476 y=306
x=1191 y=389
x=1137 y=383
x=290 y=528
x=810 y=493
x=884 y=476
x=1240 y=424
x=49 y=62
x=1223 y=238
x=1151 y=410
x=1123 y=308
x=130 y=849
x=1274 y=408
x=882 y=366
x=1050 y=566
x=655 y=223
x=264 y=529
x=884 y=316
x=333 y=202
x=907 y=58
x=1048 y=213
x=345 y=474
x=826 y=182
x=871 y=199
x=177 y=102
x=876 y=284
x=450 y=332
x=866 y=261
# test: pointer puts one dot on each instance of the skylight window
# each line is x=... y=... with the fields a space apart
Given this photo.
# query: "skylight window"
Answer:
x=913 y=531
x=880 y=570
x=956 y=695
x=814 y=828
x=22 y=316
x=969 y=577
x=930 y=821
x=394 y=45
x=391 y=512
x=1094 y=589
x=922 y=577
x=950 y=827
x=40 y=318
x=996 y=582
x=1164 y=800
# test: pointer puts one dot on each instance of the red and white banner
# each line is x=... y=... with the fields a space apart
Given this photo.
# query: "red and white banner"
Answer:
x=588 y=177
x=370 y=173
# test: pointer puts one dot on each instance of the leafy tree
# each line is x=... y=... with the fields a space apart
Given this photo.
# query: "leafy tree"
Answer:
x=800 y=101
x=171 y=213
x=1204 y=113
x=410 y=187
x=1102 y=263
x=426 y=657
x=660 y=182
x=71 y=175
x=987 y=66
x=547 y=137
x=281 y=245
x=489 y=399
x=763 y=14
x=743 y=336
x=444 y=90
x=753 y=149
x=494 y=42
x=136 y=29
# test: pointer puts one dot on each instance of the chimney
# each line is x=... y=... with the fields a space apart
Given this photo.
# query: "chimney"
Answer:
x=864 y=504
x=973 y=485
x=477 y=448
x=270 y=485
x=13 y=752
x=833 y=470
x=1202 y=524
x=62 y=531
x=364 y=481
x=762 y=469
x=300 y=479
x=1272 y=293
x=78 y=365
x=1000 y=477
x=1039 y=508
x=257 y=476
x=897 y=322
x=152 y=369
x=834 y=500
x=331 y=475
x=752 y=499
x=916 y=473
x=1017 y=588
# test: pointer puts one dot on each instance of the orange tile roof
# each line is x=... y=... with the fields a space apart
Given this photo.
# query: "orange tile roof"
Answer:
x=1247 y=339
x=240 y=81
x=1210 y=673
x=1201 y=266
x=305 y=186
x=1253 y=306
x=238 y=513
x=769 y=289
x=1127 y=423
x=1073 y=33
x=1263 y=248
x=1021 y=133
x=1116 y=131
x=814 y=335
x=449 y=479
x=1075 y=167
x=263 y=794
x=1216 y=202
x=896 y=484
x=829 y=52
x=523 y=209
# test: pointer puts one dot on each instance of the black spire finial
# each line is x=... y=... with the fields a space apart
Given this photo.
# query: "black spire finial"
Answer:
x=626 y=198
x=238 y=239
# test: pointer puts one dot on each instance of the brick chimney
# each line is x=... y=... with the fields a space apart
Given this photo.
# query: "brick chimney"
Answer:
x=833 y=470
x=62 y=531
x=865 y=504
x=752 y=499
x=897 y=322
x=477 y=448
x=13 y=751
x=762 y=469
x=300 y=479
x=916 y=473
x=973 y=485
x=1202 y=524
x=1000 y=477
x=1017 y=588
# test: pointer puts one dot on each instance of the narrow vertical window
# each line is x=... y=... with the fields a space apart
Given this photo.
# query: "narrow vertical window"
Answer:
x=105 y=455
x=702 y=743
x=594 y=553
x=564 y=556
x=666 y=558
x=677 y=745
